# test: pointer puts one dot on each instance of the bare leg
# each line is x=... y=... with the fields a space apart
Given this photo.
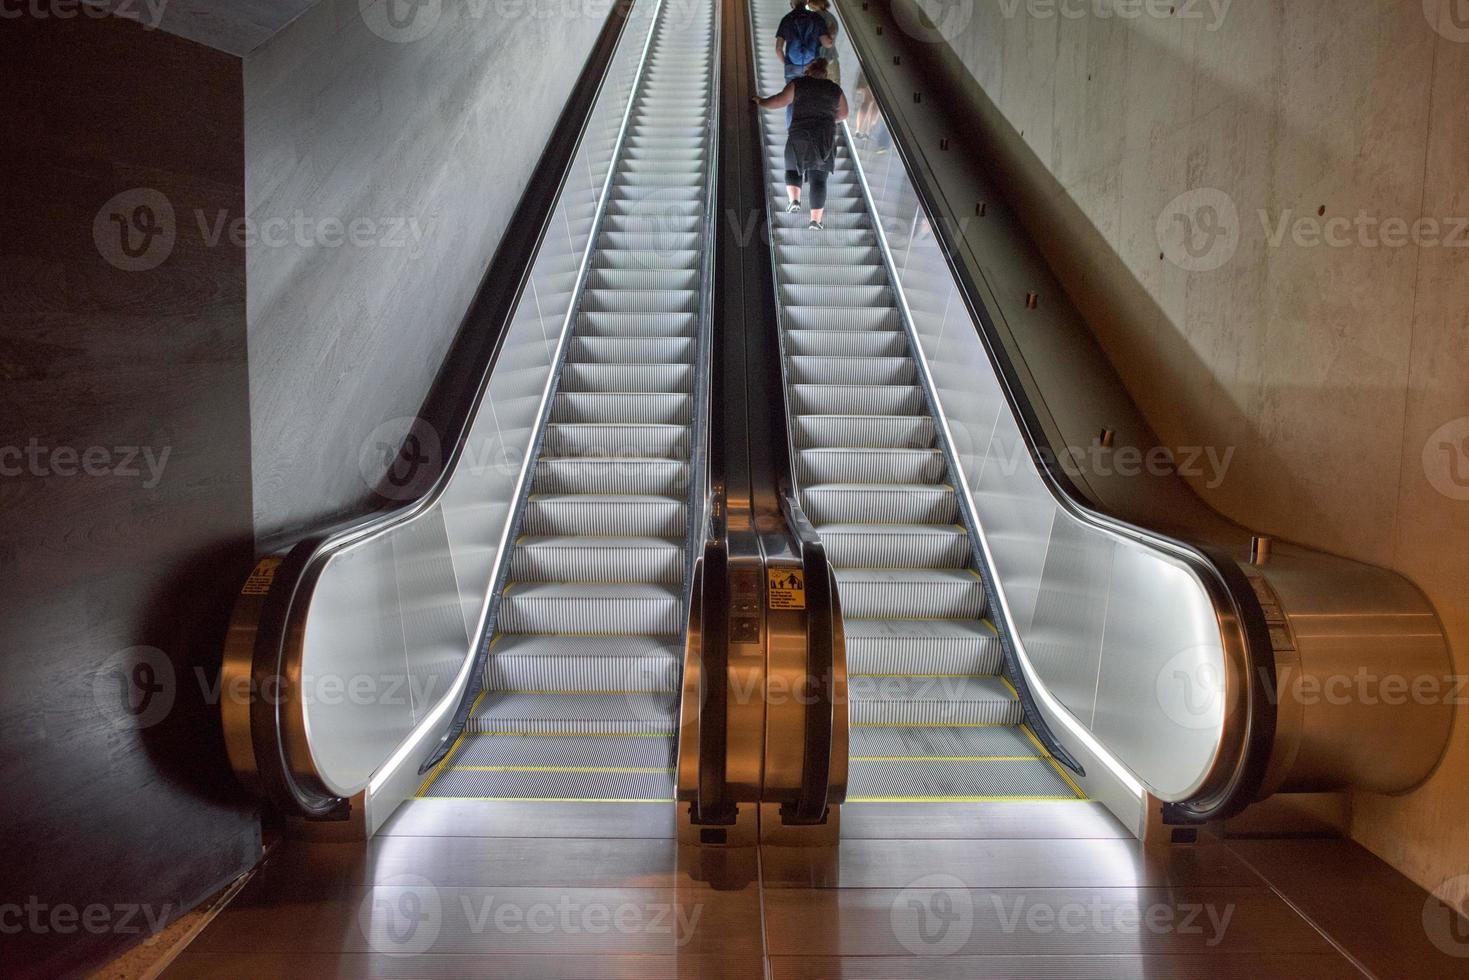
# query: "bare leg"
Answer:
x=816 y=214
x=793 y=191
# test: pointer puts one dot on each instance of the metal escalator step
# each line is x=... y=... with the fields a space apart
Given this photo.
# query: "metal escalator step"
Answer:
x=641 y=300
x=604 y=515
x=646 y=258
x=613 y=440
x=877 y=466
x=631 y=350
x=575 y=714
x=564 y=752
x=653 y=477
x=873 y=743
x=567 y=664
x=911 y=593
x=806 y=255
x=856 y=503
x=947 y=702
x=582 y=559
x=681 y=205
x=885 y=318
x=952 y=782
x=865 y=431
x=655 y=218
x=591 y=609
x=838 y=400
x=853 y=371
x=691 y=154
x=802 y=235
x=922 y=646
x=658 y=179
x=834 y=221
x=627 y=407
x=644 y=278
x=846 y=343
x=588 y=376
x=858 y=296
x=578 y=786
x=896 y=545
x=833 y=275
x=635 y=324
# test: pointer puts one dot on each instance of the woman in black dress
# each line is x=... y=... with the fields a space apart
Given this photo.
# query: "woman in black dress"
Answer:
x=818 y=105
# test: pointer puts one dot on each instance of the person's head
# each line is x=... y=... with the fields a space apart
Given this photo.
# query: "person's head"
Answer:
x=817 y=68
x=821 y=5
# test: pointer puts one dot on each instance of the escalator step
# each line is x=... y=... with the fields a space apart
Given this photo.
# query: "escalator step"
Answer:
x=945 y=782
x=630 y=408
x=604 y=515
x=570 y=664
x=637 y=714
x=915 y=593
x=565 y=751
x=864 y=431
x=591 y=609
x=942 y=743
x=942 y=701
x=896 y=545
x=629 y=476
x=582 y=559
x=855 y=503
x=877 y=466
x=897 y=647
x=571 y=786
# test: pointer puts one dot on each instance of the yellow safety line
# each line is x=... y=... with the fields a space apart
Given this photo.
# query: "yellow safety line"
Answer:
x=606 y=769
x=947 y=758
x=1013 y=693
x=453 y=750
x=1060 y=769
x=549 y=799
x=964 y=799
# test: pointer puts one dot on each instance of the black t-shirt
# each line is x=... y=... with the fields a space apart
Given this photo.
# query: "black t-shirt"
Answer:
x=816 y=103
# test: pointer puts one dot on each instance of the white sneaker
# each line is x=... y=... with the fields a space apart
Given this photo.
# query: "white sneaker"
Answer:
x=795 y=208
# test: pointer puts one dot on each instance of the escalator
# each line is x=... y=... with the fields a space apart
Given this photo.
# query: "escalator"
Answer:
x=933 y=717
x=580 y=691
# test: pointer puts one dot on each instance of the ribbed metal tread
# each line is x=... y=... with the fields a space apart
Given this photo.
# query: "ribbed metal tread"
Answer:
x=630 y=476
x=941 y=781
x=942 y=743
x=911 y=593
x=950 y=702
x=564 y=752
x=857 y=503
x=591 y=609
x=873 y=466
x=587 y=559
x=571 y=664
x=580 y=786
x=605 y=515
x=922 y=646
x=896 y=545
x=556 y=713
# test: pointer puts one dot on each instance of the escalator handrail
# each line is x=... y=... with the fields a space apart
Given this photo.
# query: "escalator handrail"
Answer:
x=277 y=763
x=819 y=692
x=1240 y=769
x=709 y=541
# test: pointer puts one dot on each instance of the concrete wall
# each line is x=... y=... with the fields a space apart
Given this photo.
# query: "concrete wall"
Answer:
x=1335 y=360
x=422 y=134
x=125 y=517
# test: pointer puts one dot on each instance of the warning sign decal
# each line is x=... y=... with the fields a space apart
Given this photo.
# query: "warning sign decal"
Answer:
x=787 y=588
x=262 y=578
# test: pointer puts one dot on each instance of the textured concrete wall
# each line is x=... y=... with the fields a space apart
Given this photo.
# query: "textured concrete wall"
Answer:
x=420 y=132
x=1195 y=154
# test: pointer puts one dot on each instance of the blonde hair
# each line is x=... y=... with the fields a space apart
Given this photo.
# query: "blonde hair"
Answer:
x=817 y=68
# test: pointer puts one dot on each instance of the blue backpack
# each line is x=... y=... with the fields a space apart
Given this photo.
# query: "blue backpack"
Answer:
x=804 y=44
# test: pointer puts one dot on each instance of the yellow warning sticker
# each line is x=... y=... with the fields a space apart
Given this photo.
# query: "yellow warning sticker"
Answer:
x=262 y=578
x=787 y=588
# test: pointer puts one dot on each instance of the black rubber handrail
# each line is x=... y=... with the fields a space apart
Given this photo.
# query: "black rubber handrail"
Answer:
x=454 y=400
x=819 y=684
x=1220 y=574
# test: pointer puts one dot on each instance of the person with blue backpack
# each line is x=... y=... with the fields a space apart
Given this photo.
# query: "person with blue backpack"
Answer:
x=798 y=40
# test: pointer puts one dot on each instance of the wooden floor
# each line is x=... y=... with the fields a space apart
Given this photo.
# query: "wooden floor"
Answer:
x=458 y=888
